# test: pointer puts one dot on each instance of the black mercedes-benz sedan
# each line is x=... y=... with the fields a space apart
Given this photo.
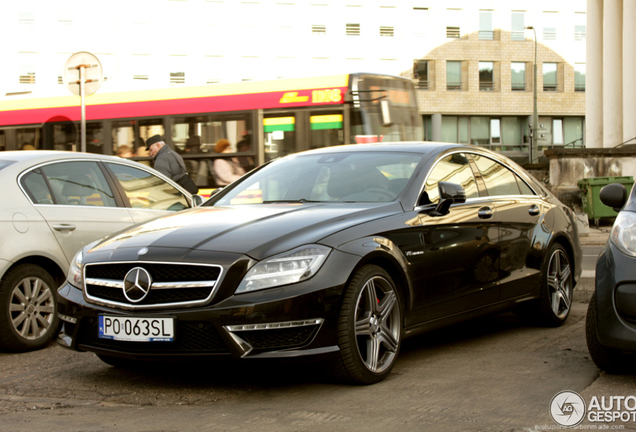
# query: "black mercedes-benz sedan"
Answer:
x=337 y=253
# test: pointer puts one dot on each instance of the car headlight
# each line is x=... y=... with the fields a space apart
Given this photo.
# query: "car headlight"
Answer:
x=624 y=232
x=75 y=274
x=288 y=268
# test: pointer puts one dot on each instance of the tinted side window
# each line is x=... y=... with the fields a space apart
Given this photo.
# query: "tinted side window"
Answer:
x=79 y=183
x=35 y=186
x=454 y=169
x=145 y=190
x=499 y=179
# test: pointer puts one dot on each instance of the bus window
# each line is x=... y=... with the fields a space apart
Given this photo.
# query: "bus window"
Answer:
x=29 y=138
x=3 y=141
x=326 y=129
x=280 y=136
x=129 y=136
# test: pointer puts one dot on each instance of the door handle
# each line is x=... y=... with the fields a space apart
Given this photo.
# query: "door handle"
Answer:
x=484 y=213
x=534 y=210
x=64 y=227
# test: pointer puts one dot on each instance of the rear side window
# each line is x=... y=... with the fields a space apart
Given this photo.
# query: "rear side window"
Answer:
x=499 y=180
x=35 y=186
x=453 y=169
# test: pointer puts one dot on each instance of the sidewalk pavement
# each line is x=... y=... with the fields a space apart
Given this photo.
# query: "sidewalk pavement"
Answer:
x=592 y=237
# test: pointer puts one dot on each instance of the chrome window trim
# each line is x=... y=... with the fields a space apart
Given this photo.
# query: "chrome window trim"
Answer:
x=483 y=154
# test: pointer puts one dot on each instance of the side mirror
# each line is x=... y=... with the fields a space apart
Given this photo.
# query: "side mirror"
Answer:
x=614 y=195
x=449 y=193
x=197 y=200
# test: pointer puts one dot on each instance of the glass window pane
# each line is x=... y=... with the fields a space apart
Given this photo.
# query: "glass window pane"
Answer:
x=579 y=77
x=495 y=131
x=573 y=131
x=499 y=179
x=145 y=190
x=511 y=133
x=326 y=129
x=454 y=169
x=463 y=130
x=449 y=129
x=479 y=130
x=549 y=76
x=453 y=75
x=485 y=25
x=486 y=76
x=517 y=26
x=79 y=183
x=36 y=188
x=518 y=76
x=280 y=136
x=557 y=131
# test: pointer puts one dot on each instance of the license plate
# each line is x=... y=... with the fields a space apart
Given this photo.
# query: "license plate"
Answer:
x=136 y=329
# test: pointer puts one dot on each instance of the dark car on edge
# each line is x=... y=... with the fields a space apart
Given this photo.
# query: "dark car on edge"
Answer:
x=611 y=315
x=337 y=253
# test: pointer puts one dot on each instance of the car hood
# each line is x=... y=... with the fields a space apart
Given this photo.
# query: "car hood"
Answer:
x=256 y=231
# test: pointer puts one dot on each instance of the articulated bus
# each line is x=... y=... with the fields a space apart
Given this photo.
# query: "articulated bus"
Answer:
x=261 y=120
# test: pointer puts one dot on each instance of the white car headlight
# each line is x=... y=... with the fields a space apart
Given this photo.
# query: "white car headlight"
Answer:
x=624 y=232
x=288 y=268
x=75 y=274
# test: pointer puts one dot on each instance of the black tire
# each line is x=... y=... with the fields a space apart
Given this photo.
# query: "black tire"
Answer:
x=607 y=359
x=28 y=308
x=557 y=286
x=370 y=328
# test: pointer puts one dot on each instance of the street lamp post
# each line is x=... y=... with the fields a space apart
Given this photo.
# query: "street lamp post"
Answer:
x=535 y=119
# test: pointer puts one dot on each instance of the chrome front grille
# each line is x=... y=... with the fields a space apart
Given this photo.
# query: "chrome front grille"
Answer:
x=171 y=285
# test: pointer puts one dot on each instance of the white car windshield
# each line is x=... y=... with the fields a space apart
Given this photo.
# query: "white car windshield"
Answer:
x=334 y=177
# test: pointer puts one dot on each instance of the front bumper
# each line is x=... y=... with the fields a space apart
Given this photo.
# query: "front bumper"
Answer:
x=288 y=321
x=616 y=299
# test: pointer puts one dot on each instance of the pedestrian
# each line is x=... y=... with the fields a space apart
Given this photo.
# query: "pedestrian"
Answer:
x=169 y=163
x=226 y=169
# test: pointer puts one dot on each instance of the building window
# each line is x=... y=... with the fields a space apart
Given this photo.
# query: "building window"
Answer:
x=550 y=82
x=557 y=131
x=518 y=76
x=420 y=21
x=485 y=26
x=420 y=73
x=486 y=76
x=550 y=26
x=27 y=68
x=452 y=32
x=319 y=29
x=517 y=26
x=453 y=75
x=495 y=131
x=353 y=29
x=177 y=77
x=27 y=19
x=579 y=26
x=579 y=77
x=386 y=31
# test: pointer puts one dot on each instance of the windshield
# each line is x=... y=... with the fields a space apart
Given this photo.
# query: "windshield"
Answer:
x=335 y=177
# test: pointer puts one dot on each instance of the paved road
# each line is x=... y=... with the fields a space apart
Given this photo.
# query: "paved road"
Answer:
x=494 y=374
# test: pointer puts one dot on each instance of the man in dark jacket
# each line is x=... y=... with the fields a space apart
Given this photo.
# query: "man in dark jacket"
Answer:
x=169 y=163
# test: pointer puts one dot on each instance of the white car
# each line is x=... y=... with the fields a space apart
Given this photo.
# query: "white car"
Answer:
x=52 y=204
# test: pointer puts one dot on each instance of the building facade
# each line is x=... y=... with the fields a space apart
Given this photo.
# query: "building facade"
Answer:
x=473 y=61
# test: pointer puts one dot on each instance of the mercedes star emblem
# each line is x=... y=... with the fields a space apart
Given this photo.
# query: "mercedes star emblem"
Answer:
x=137 y=284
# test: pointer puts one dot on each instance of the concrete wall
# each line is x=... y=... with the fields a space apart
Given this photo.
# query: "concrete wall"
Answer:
x=568 y=166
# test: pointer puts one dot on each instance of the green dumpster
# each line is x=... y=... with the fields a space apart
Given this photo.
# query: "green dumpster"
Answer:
x=590 y=190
